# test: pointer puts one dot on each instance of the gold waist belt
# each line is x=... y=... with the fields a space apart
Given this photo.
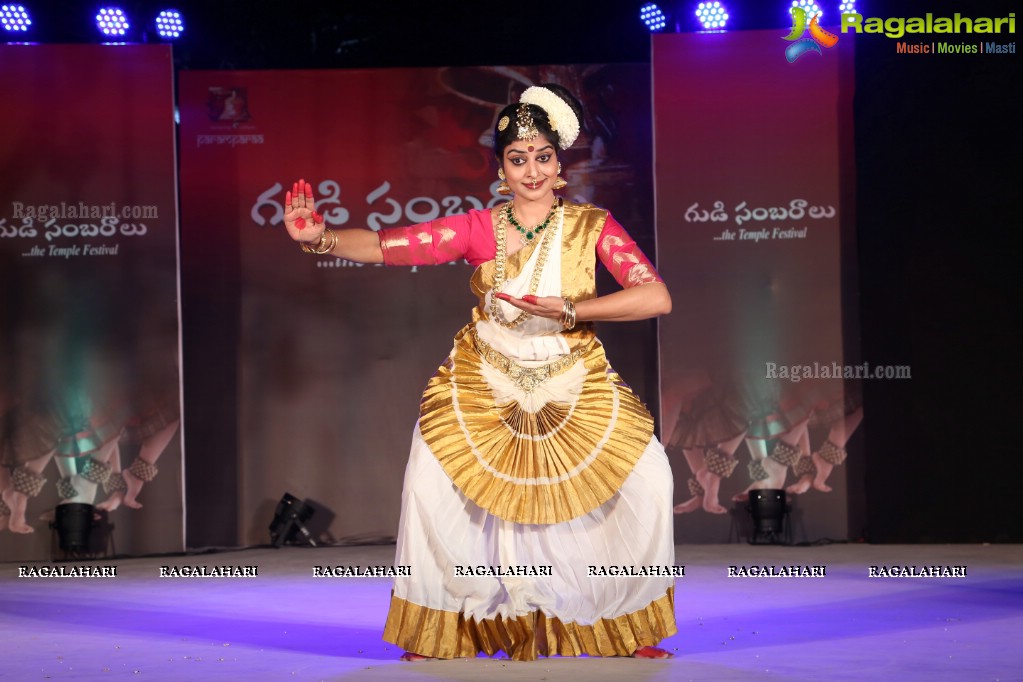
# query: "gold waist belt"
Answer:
x=526 y=378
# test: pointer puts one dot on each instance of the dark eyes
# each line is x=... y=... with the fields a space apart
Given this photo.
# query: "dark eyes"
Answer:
x=519 y=160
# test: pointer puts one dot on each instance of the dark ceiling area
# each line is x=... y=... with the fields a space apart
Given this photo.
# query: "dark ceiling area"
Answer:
x=304 y=34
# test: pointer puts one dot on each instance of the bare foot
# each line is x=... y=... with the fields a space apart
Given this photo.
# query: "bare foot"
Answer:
x=112 y=502
x=823 y=471
x=690 y=505
x=711 y=484
x=17 y=503
x=650 y=652
x=413 y=658
x=800 y=486
x=134 y=488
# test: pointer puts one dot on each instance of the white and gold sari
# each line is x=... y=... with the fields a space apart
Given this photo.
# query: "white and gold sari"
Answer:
x=531 y=452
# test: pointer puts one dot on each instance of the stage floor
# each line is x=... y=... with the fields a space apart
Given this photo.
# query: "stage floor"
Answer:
x=285 y=624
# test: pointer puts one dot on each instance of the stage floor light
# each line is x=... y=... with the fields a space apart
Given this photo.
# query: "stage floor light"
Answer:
x=289 y=521
x=769 y=510
x=81 y=531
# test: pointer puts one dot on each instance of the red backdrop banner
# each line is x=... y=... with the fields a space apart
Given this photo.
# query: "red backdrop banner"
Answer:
x=89 y=381
x=324 y=360
x=749 y=161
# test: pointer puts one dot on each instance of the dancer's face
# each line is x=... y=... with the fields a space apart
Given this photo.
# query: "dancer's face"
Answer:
x=530 y=167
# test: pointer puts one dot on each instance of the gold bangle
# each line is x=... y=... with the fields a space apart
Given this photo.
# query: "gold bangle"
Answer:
x=324 y=246
x=309 y=247
x=333 y=242
x=567 y=314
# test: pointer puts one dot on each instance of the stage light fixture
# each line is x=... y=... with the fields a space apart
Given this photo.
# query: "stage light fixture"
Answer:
x=169 y=24
x=289 y=521
x=73 y=522
x=652 y=17
x=112 y=22
x=769 y=510
x=712 y=16
x=847 y=7
x=15 y=18
x=811 y=8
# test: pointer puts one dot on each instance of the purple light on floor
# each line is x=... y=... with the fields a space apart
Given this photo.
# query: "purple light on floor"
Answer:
x=112 y=22
x=14 y=18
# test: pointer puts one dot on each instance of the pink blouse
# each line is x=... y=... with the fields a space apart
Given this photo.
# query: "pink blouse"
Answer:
x=471 y=236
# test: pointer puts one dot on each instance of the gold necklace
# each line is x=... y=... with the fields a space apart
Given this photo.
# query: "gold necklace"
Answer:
x=526 y=234
x=501 y=261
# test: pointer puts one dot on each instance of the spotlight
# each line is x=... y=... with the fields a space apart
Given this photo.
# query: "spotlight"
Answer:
x=14 y=18
x=652 y=17
x=112 y=22
x=169 y=24
x=847 y=7
x=74 y=526
x=811 y=8
x=769 y=510
x=289 y=519
x=712 y=15
x=82 y=531
x=73 y=522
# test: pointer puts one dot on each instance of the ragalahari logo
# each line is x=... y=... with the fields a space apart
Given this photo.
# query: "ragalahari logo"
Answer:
x=801 y=45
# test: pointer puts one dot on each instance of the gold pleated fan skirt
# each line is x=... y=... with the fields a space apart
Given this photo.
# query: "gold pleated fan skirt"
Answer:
x=529 y=448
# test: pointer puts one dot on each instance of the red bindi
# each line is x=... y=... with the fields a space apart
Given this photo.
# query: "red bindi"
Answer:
x=529 y=148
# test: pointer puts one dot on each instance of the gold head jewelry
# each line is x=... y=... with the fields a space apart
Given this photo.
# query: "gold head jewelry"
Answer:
x=527 y=127
x=503 y=123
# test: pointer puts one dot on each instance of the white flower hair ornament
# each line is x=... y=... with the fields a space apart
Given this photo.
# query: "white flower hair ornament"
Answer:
x=562 y=119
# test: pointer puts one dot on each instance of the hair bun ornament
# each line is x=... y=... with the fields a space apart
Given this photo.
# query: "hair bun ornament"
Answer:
x=563 y=120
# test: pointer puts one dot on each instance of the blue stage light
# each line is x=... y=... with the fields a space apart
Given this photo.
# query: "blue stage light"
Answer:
x=169 y=24
x=811 y=8
x=652 y=17
x=14 y=18
x=112 y=22
x=712 y=15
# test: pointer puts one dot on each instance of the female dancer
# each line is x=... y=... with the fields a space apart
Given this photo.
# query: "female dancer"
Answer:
x=534 y=478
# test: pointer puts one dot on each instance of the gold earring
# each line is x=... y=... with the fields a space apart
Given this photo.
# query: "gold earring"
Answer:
x=502 y=188
x=560 y=182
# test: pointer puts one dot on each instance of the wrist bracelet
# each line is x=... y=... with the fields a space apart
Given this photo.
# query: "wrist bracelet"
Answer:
x=567 y=314
x=324 y=246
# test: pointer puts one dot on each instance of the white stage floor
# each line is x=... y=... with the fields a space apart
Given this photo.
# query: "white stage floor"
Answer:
x=285 y=624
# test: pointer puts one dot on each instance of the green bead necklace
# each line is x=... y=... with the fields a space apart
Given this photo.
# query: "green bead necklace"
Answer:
x=528 y=233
